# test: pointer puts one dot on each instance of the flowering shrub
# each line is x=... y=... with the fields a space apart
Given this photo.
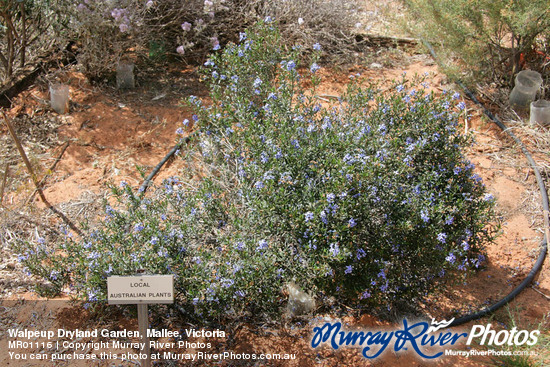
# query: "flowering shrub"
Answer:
x=370 y=200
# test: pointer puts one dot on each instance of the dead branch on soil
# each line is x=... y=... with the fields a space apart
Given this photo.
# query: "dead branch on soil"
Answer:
x=34 y=178
x=48 y=172
x=6 y=171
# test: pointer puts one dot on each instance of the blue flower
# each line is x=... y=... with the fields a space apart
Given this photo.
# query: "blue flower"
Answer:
x=317 y=47
x=488 y=197
x=291 y=65
x=334 y=249
x=442 y=237
x=349 y=269
x=424 y=216
x=330 y=197
x=314 y=68
x=461 y=106
x=451 y=258
x=239 y=294
x=400 y=88
x=259 y=185
x=226 y=282
x=54 y=274
x=352 y=223
x=92 y=295
x=360 y=254
x=239 y=245
x=365 y=294
x=257 y=82
x=264 y=158
x=242 y=36
x=262 y=245
x=308 y=216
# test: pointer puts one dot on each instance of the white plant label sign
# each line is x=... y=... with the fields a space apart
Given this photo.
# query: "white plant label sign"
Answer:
x=140 y=289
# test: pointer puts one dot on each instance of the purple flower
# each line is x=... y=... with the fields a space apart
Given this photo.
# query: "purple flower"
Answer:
x=349 y=269
x=215 y=43
x=186 y=26
x=361 y=253
x=442 y=237
x=317 y=47
x=308 y=216
x=352 y=223
x=180 y=50
x=461 y=106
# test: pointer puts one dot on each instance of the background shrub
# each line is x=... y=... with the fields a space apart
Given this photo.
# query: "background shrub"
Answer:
x=369 y=200
x=107 y=31
x=491 y=39
x=29 y=28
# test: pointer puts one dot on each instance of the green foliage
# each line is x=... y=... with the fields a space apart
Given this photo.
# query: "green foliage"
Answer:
x=492 y=39
x=370 y=200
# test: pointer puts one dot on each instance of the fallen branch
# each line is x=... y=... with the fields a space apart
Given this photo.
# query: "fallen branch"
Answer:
x=48 y=172
x=34 y=179
x=6 y=170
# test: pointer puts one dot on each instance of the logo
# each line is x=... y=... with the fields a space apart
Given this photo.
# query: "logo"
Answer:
x=420 y=337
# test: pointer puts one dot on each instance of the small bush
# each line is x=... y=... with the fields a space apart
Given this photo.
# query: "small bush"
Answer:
x=28 y=29
x=370 y=200
x=491 y=39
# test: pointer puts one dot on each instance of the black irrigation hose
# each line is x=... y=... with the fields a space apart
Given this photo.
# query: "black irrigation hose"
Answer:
x=544 y=196
x=546 y=211
x=146 y=183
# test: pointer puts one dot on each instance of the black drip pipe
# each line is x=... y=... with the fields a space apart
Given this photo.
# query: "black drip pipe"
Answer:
x=147 y=182
x=546 y=211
